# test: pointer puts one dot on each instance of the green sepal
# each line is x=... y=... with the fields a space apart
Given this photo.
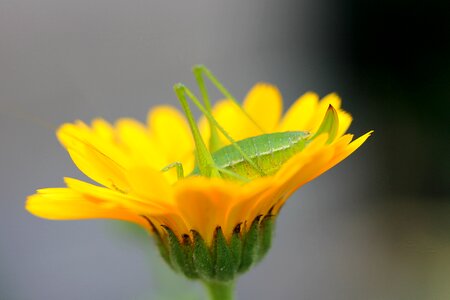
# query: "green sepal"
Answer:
x=188 y=267
x=250 y=246
x=224 y=268
x=163 y=249
x=180 y=254
x=174 y=248
x=160 y=243
x=265 y=235
x=223 y=259
x=202 y=257
x=236 y=246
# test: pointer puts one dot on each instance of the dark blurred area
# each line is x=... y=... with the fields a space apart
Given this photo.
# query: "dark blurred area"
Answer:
x=398 y=54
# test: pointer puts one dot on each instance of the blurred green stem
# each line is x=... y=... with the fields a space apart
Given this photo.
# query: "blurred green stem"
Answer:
x=220 y=290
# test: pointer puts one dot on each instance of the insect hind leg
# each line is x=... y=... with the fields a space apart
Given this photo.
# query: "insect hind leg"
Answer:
x=233 y=174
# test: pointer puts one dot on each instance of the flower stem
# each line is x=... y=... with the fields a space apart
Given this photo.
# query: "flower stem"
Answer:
x=220 y=290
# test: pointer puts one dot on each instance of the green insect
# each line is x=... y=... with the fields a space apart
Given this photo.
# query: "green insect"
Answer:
x=247 y=159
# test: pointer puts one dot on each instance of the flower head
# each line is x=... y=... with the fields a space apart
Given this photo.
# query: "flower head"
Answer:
x=196 y=212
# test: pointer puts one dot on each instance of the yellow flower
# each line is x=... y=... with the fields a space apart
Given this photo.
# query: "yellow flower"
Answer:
x=125 y=159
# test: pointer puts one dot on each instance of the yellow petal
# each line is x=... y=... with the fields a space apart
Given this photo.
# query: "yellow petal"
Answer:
x=255 y=198
x=262 y=110
x=131 y=202
x=150 y=184
x=204 y=203
x=300 y=114
x=171 y=134
x=136 y=139
x=264 y=104
x=101 y=162
x=350 y=148
x=345 y=119
x=230 y=117
x=311 y=163
x=103 y=129
x=207 y=203
x=172 y=219
x=66 y=204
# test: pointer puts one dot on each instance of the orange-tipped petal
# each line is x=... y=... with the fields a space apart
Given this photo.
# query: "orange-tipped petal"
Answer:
x=67 y=204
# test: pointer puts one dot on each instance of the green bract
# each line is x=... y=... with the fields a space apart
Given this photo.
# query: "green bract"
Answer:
x=224 y=259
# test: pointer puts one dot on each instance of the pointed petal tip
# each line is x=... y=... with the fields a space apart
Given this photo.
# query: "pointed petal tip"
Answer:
x=355 y=144
x=368 y=134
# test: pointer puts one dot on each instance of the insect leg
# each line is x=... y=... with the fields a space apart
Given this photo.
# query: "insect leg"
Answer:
x=201 y=69
x=204 y=158
x=179 y=167
x=233 y=174
x=214 y=141
x=184 y=90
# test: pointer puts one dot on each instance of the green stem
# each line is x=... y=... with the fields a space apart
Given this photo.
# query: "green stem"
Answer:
x=220 y=290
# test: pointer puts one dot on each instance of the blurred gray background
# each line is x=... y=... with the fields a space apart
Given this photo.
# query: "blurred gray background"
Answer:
x=375 y=227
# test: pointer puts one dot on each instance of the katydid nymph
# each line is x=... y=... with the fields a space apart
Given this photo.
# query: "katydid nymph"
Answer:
x=246 y=159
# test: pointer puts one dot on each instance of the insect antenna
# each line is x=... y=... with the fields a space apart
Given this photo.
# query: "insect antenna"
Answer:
x=22 y=114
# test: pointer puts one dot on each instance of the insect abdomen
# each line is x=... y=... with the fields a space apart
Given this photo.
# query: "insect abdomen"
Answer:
x=268 y=151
